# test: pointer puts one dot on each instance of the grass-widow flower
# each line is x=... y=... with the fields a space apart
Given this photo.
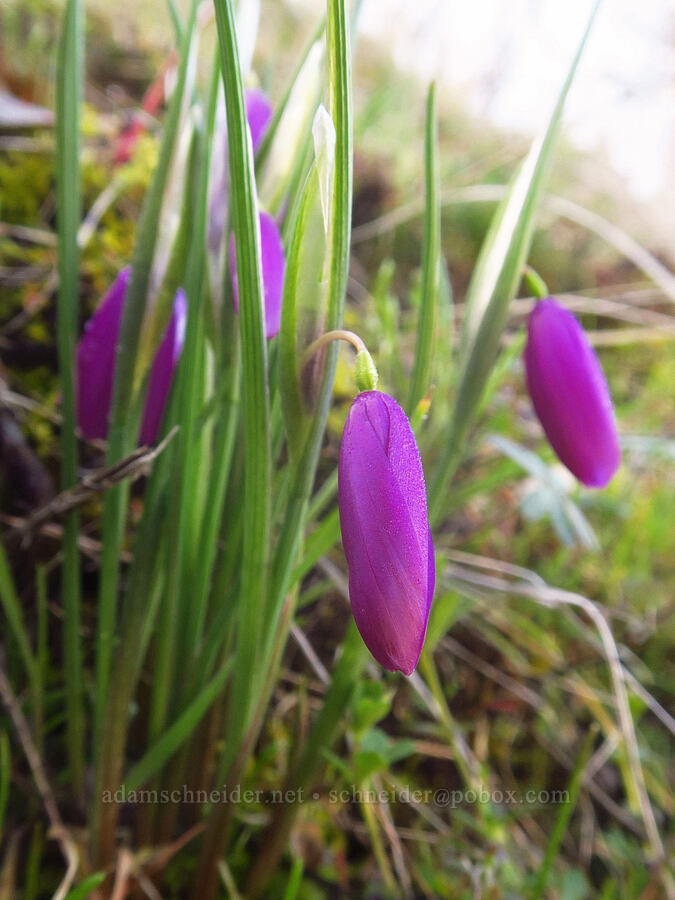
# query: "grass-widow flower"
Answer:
x=163 y=367
x=96 y=364
x=273 y=264
x=385 y=530
x=570 y=394
x=96 y=361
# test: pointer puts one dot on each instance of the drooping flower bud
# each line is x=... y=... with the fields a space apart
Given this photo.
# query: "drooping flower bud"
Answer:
x=96 y=364
x=163 y=367
x=570 y=394
x=385 y=530
x=273 y=264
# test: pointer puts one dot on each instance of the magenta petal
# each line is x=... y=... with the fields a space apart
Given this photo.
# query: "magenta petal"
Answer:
x=570 y=394
x=161 y=374
x=385 y=531
x=258 y=114
x=96 y=361
x=273 y=269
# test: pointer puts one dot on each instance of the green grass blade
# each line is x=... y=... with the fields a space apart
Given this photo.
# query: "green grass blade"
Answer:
x=255 y=405
x=68 y=204
x=42 y=651
x=34 y=864
x=431 y=251
x=323 y=496
x=320 y=541
x=181 y=609
x=278 y=114
x=340 y=95
x=181 y=411
x=295 y=416
x=348 y=671
x=564 y=816
x=125 y=416
x=138 y=614
x=176 y=735
x=195 y=388
x=124 y=413
x=223 y=453
x=289 y=136
x=294 y=879
x=85 y=888
x=303 y=474
x=494 y=284
x=175 y=20
x=5 y=772
x=11 y=605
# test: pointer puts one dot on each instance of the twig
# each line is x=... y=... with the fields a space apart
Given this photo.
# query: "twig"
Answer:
x=133 y=466
x=58 y=830
x=32 y=235
x=89 y=546
x=383 y=813
x=561 y=756
x=19 y=401
x=551 y=597
x=228 y=881
x=130 y=873
x=163 y=856
x=123 y=872
x=301 y=640
x=489 y=671
x=663 y=715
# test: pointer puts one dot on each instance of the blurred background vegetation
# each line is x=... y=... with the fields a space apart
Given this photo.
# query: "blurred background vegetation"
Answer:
x=517 y=684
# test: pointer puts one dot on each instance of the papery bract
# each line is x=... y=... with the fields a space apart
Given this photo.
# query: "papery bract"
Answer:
x=570 y=394
x=385 y=530
x=96 y=361
x=163 y=367
x=273 y=264
x=96 y=364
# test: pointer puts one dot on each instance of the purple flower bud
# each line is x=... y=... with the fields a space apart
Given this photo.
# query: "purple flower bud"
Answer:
x=258 y=114
x=385 y=530
x=161 y=374
x=570 y=394
x=96 y=364
x=273 y=268
x=96 y=361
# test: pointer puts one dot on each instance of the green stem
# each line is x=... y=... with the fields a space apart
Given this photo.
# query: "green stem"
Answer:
x=68 y=201
x=428 y=318
x=303 y=476
x=339 y=59
x=564 y=815
x=348 y=671
x=338 y=334
x=125 y=417
x=255 y=405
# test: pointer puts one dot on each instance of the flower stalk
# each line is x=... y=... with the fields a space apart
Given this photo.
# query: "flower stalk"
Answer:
x=366 y=372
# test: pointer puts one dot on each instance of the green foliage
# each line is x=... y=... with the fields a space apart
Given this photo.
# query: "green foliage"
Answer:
x=232 y=541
